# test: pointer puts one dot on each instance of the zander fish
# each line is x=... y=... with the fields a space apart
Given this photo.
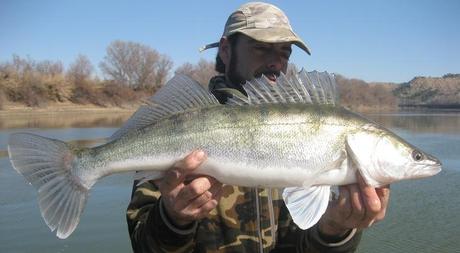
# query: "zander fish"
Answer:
x=290 y=135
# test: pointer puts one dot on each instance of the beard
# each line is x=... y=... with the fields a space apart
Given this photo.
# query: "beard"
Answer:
x=237 y=80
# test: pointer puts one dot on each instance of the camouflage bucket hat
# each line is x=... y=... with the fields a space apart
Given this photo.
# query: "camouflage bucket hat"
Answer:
x=262 y=22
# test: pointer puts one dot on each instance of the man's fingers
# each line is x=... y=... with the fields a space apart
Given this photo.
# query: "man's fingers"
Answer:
x=384 y=195
x=375 y=200
x=358 y=207
x=369 y=195
x=211 y=194
x=196 y=193
x=206 y=208
x=199 y=201
x=170 y=181
x=191 y=162
x=213 y=200
x=343 y=202
x=200 y=207
x=176 y=175
x=202 y=212
x=195 y=188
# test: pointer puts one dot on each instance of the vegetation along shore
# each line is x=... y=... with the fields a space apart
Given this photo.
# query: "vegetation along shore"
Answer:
x=132 y=72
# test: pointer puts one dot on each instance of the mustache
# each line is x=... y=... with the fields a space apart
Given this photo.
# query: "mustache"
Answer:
x=267 y=73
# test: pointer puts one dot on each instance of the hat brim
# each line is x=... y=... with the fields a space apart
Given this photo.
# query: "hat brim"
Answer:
x=274 y=36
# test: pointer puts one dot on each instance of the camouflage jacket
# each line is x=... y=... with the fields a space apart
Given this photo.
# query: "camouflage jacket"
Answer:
x=245 y=220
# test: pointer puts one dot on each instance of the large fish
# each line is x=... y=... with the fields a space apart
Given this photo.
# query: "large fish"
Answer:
x=291 y=135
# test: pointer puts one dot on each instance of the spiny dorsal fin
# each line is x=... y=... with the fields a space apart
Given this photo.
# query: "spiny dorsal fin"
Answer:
x=305 y=87
x=179 y=94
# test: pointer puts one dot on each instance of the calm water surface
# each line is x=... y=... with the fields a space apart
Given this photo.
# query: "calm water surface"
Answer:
x=423 y=216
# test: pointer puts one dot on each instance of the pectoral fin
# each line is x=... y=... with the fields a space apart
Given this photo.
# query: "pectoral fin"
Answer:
x=306 y=205
x=144 y=176
x=360 y=148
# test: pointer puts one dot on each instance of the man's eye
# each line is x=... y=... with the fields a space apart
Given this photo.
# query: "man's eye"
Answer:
x=261 y=48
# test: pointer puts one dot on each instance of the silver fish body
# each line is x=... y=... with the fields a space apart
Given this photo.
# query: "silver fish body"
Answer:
x=269 y=145
x=290 y=136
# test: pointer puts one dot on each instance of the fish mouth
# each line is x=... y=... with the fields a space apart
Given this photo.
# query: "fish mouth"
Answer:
x=434 y=161
x=434 y=169
x=430 y=167
x=427 y=170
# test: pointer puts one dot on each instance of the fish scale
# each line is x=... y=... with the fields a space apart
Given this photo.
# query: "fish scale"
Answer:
x=279 y=137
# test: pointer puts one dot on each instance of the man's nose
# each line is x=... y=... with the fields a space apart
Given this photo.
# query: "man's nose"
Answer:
x=275 y=62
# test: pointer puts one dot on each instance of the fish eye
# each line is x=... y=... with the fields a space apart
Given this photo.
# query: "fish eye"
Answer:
x=417 y=156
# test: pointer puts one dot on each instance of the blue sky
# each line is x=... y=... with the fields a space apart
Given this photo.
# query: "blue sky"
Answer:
x=391 y=40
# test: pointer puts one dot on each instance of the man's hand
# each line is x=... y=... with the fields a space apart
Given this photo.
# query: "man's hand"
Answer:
x=186 y=200
x=358 y=206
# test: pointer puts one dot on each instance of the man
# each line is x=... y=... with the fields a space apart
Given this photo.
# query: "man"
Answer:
x=180 y=213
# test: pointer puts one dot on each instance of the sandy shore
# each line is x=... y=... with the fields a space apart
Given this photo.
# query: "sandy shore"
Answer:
x=59 y=108
x=63 y=115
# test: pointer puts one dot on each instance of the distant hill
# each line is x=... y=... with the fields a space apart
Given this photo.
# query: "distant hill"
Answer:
x=438 y=92
x=420 y=92
x=359 y=95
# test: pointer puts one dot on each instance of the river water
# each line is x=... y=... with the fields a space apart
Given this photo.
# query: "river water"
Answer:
x=423 y=215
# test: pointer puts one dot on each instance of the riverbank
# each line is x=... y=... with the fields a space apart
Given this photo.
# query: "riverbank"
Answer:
x=11 y=109
x=64 y=115
x=18 y=109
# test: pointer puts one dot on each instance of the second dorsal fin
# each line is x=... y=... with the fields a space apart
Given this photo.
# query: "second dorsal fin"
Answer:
x=305 y=87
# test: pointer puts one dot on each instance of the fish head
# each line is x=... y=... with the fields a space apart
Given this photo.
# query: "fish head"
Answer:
x=382 y=157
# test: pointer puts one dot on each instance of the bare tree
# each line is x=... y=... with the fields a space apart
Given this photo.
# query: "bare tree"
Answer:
x=50 y=68
x=80 y=70
x=135 y=65
x=23 y=68
x=186 y=69
x=201 y=72
x=163 y=67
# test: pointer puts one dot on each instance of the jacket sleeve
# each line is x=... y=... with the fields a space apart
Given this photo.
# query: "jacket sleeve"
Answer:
x=311 y=241
x=149 y=228
x=293 y=239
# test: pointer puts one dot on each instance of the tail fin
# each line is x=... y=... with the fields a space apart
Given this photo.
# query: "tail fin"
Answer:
x=47 y=165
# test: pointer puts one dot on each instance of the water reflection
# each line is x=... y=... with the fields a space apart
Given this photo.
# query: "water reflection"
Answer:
x=57 y=122
x=78 y=143
x=433 y=122
x=420 y=122
x=415 y=205
x=63 y=120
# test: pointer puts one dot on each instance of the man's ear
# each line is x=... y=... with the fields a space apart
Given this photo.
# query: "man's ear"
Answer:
x=224 y=50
